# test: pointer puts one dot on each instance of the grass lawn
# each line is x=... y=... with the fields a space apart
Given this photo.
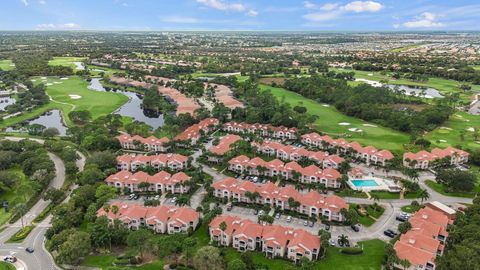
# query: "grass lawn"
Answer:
x=441 y=189
x=96 y=70
x=104 y=262
x=6 y=266
x=444 y=86
x=6 y=64
x=410 y=209
x=98 y=103
x=371 y=259
x=450 y=132
x=329 y=119
x=385 y=195
x=13 y=196
x=66 y=61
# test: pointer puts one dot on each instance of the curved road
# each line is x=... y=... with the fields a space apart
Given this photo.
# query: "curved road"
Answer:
x=41 y=258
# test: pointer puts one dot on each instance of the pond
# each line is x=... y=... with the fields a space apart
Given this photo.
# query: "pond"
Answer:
x=133 y=108
x=50 y=119
x=5 y=101
x=409 y=90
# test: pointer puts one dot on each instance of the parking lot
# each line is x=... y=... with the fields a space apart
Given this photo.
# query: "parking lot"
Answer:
x=142 y=198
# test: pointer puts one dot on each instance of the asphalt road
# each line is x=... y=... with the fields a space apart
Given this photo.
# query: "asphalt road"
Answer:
x=41 y=259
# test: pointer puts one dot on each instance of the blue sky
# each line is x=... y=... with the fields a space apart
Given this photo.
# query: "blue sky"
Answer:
x=330 y=15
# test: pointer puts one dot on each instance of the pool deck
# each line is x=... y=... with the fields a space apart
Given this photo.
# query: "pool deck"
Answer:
x=382 y=184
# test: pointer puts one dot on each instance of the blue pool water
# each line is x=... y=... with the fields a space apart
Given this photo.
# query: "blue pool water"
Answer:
x=364 y=183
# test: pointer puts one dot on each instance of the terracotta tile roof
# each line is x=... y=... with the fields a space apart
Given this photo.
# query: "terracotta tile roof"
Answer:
x=224 y=144
x=160 y=158
x=193 y=132
x=162 y=177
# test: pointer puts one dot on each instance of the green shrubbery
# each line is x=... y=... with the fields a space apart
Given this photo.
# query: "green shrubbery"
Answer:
x=351 y=250
x=21 y=234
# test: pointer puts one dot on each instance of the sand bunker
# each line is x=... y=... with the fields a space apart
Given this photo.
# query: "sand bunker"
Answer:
x=64 y=78
x=447 y=128
x=43 y=78
x=369 y=125
x=370 y=74
x=471 y=129
x=75 y=96
x=442 y=140
x=325 y=105
x=344 y=124
x=355 y=130
x=57 y=82
x=48 y=84
x=33 y=80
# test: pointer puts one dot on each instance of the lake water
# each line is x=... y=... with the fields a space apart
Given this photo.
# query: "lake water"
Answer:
x=49 y=119
x=133 y=108
x=409 y=90
x=5 y=101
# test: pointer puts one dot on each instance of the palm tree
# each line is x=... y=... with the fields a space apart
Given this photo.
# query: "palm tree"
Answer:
x=343 y=240
x=375 y=199
x=405 y=264
x=223 y=226
x=20 y=209
x=424 y=195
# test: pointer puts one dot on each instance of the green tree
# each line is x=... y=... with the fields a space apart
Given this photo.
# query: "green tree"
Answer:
x=404 y=227
x=236 y=264
x=138 y=241
x=75 y=248
x=208 y=258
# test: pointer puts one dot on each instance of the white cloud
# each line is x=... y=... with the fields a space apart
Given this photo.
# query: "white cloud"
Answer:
x=24 y=2
x=332 y=11
x=252 y=13
x=52 y=26
x=180 y=19
x=425 y=20
x=329 y=6
x=42 y=2
x=224 y=6
x=363 y=6
x=309 y=5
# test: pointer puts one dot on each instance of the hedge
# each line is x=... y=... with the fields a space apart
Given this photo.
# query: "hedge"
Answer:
x=351 y=250
x=21 y=234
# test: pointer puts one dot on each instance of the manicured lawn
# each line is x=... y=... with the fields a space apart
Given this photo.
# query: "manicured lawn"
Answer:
x=6 y=64
x=13 y=196
x=65 y=61
x=450 y=132
x=442 y=85
x=441 y=189
x=96 y=70
x=410 y=209
x=329 y=119
x=6 y=266
x=371 y=259
x=386 y=195
x=104 y=262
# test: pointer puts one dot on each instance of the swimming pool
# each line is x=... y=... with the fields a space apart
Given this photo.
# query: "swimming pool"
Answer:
x=364 y=183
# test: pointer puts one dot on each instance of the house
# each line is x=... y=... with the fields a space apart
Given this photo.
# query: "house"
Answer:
x=160 y=219
x=223 y=146
x=274 y=240
x=193 y=133
x=425 y=241
x=264 y=130
x=290 y=171
x=171 y=161
x=311 y=204
x=368 y=154
x=424 y=159
x=150 y=144
x=162 y=182
x=289 y=152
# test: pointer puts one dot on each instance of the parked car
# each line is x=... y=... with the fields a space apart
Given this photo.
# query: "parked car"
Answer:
x=229 y=206
x=305 y=223
x=29 y=250
x=131 y=196
x=390 y=233
x=401 y=218
x=10 y=259
x=157 y=197
x=174 y=199
x=327 y=227
x=277 y=216
x=261 y=213
x=355 y=227
x=289 y=219
x=136 y=197
x=331 y=242
x=255 y=212
x=311 y=223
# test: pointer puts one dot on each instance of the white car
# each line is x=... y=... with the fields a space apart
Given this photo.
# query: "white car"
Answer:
x=289 y=219
x=331 y=242
x=10 y=259
x=174 y=199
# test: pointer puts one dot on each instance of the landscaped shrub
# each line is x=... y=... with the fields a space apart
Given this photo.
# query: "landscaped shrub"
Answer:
x=21 y=234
